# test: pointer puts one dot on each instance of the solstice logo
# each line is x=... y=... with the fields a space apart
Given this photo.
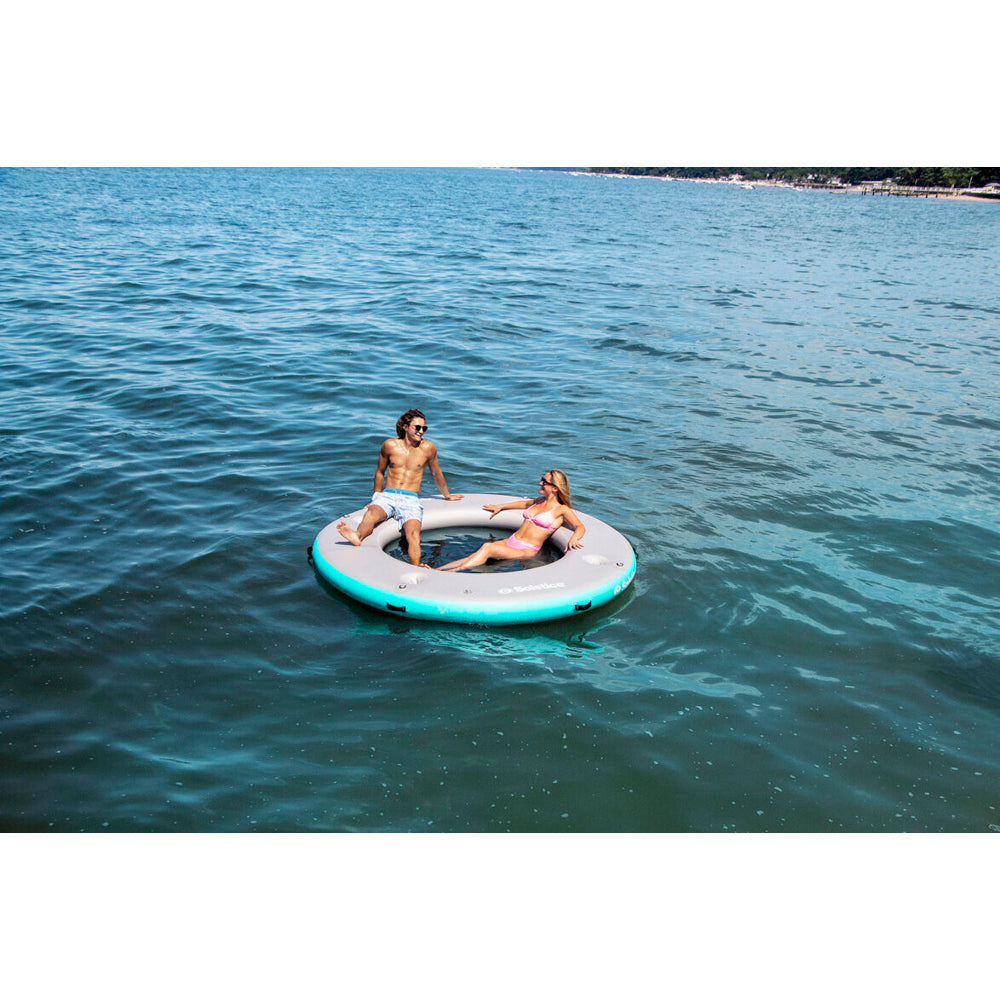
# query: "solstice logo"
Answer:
x=531 y=586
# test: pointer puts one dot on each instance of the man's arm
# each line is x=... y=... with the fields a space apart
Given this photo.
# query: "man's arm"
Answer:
x=432 y=464
x=383 y=464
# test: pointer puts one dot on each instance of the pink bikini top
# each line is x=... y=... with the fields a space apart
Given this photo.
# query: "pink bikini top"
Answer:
x=537 y=521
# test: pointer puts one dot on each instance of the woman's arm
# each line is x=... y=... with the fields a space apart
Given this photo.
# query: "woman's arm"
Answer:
x=577 y=525
x=495 y=508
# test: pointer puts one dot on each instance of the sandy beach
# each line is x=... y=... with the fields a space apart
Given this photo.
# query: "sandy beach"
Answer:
x=874 y=188
x=883 y=190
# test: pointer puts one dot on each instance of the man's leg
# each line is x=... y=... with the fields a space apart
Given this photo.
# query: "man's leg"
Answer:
x=373 y=515
x=411 y=531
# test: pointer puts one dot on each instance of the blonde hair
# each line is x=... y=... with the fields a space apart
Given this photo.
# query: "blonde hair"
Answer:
x=561 y=483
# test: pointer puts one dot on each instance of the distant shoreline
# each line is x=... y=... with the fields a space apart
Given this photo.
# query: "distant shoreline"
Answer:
x=874 y=188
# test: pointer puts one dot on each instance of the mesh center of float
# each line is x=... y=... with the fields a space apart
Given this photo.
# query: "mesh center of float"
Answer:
x=443 y=545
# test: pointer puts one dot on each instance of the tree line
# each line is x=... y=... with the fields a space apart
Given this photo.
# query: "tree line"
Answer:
x=939 y=177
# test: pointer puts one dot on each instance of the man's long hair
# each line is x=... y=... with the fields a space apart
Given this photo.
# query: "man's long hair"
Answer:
x=404 y=422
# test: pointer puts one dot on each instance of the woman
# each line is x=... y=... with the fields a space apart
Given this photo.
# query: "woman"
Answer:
x=542 y=516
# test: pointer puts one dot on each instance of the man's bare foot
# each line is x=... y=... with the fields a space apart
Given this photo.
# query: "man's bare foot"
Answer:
x=348 y=532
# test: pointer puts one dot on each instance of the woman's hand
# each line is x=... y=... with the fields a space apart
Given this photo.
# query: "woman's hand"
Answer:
x=576 y=524
x=493 y=508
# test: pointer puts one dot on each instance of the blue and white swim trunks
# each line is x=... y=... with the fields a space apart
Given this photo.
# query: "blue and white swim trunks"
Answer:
x=401 y=504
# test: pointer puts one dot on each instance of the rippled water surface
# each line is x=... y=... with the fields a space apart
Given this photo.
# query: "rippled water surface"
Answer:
x=788 y=402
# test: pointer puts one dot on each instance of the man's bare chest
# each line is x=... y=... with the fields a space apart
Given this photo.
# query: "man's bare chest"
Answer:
x=403 y=459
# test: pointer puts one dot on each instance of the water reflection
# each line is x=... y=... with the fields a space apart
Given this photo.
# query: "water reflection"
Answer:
x=531 y=643
x=565 y=651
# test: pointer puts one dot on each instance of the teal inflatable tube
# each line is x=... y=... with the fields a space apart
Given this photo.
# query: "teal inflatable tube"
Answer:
x=580 y=580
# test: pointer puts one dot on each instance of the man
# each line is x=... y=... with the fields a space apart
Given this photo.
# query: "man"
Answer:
x=404 y=456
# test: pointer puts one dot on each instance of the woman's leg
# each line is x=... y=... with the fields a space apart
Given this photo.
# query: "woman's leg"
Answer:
x=489 y=550
x=476 y=559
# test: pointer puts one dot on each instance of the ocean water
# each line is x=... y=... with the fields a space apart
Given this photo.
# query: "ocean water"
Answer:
x=788 y=401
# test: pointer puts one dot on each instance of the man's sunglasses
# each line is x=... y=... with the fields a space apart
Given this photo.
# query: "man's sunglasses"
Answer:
x=419 y=427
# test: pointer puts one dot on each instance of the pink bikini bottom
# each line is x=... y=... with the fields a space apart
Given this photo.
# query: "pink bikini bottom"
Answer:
x=516 y=543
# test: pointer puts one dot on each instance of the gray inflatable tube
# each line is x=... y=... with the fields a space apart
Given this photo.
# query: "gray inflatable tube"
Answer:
x=579 y=580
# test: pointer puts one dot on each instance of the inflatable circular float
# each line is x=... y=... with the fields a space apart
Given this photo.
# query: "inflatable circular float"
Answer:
x=579 y=580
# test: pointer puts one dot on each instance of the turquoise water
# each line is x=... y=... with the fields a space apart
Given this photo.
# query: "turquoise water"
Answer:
x=788 y=402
